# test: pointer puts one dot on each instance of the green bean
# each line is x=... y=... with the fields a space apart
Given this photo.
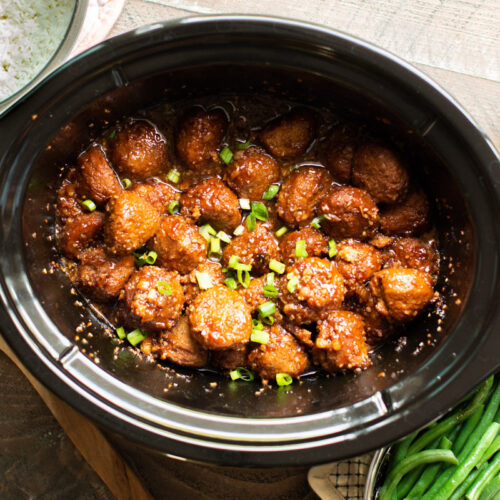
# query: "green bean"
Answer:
x=467 y=429
x=409 y=463
x=400 y=450
x=485 y=476
x=460 y=491
x=492 y=490
x=493 y=448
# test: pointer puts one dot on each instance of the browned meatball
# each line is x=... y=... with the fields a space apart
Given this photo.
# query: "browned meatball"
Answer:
x=153 y=299
x=290 y=135
x=220 y=318
x=199 y=135
x=316 y=244
x=350 y=213
x=98 y=181
x=230 y=359
x=79 y=232
x=415 y=254
x=410 y=217
x=190 y=282
x=302 y=334
x=179 y=244
x=131 y=222
x=340 y=344
x=282 y=354
x=212 y=202
x=103 y=276
x=251 y=172
x=338 y=152
x=157 y=193
x=256 y=248
x=68 y=206
x=401 y=293
x=300 y=193
x=139 y=151
x=379 y=171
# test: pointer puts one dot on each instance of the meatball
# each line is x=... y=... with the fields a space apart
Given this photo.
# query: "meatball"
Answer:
x=251 y=172
x=98 y=181
x=103 y=276
x=158 y=194
x=415 y=254
x=349 y=213
x=211 y=201
x=153 y=299
x=290 y=135
x=179 y=244
x=340 y=344
x=338 y=152
x=256 y=248
x=379 y=171
x=316 y=244
x=230 y=359
x=401 y=293
x=190 y=282
x=68 y=206
x=199 y=135
x=220 y=318
x=254 y=294
x=300 y=193
x=131 y=222
x=79 y=232
x=139 y=151
x=410 y=217
x=282 y=354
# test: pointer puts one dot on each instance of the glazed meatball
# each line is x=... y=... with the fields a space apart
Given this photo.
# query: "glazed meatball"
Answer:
x=289 y=135
x=254 y=293
x=131 y=222
x=220 y=318
x=316 y=244
x=303 y=334
x=159 y=194
x=211 y=201
x=300 y=193
x=415 y=254
x=199 y=135
x=350 y=213
x=401 y=293
x=98 y=181
x=251 y=172
x=379 y=171
x=153 y=299
x=282 y=354
x=79 y=232
x=190 y=282
x=256 y=248
x=340 y=344
x=103 y=276
x=230 y=359
x=410 y=217
x=68 y=206
x=338 y=152
x=139 y=151
x=179 y=244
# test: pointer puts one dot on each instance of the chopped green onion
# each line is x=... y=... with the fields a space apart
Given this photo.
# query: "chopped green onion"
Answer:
x=243 y=267
x=215 y=250
x=126 y=183
x=243 y=145
x=260 y=337
x=239 y=230
x=283 y=379
x=243 y=277
x=241 y=373
x=142 y=258
x=281 y=231
x=89 y=205
x=300 y=249
x=269 y=320
x=136 y=337
x=244 y=203
x=112 y=135
x=207 y=231
x=164 y=288
x=204 y=280
x=233 y=260
x=316 y=222
x=173 y=207
x=269 y=289
x=293 y=281
x=231 y=283
x=120 y=331
x=332 y=252
x=224 y=237
x=259 y=211
x=174 y=175
x=251 y=222
x=267 y=309
x=226 y=155
x=270 y=279
x=257 y=325
x=277 y=266
x=270 y=192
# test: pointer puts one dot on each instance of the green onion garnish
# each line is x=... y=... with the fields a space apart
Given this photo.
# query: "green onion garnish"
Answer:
x=173 y=207
x=316 y=222
x=293 y=281
x=251 y=222
x=244 y=203
x=215 y=250
x=136 y=337
x=233 y=260
x=204 y=280
x=277 y=266
x=231 y=283
x=281 y=231
x=224 y=237
x=89 y=205
x=126 y=183
x=243 y=145
x=226 y=155
x=243 y=267
x=120 y=332
x=283 y=379
x=142 y=258
x=266 y=309
x=257 y=325
x=174 y=175
x=243 y=277
x=164 y=288
x=332 y=252
x=270 y=192
x=259 y=211
x=239 y=230
x=269 y=289
x=241 y=373
x=300 y=249
x=269 y=320
x=207 y=231
x=259 y=336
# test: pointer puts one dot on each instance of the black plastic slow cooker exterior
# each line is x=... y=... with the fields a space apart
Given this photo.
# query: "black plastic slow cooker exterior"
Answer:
x=468 y=352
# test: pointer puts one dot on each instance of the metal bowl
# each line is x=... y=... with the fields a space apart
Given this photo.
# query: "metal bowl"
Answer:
x=373 y=476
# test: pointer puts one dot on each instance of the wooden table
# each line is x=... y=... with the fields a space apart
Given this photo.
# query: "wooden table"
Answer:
x=456 y=42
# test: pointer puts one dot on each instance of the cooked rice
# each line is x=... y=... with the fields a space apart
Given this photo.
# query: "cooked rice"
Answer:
x=30 y=33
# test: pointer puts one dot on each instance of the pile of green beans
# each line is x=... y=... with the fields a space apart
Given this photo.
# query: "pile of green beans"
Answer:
x=456 y=457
